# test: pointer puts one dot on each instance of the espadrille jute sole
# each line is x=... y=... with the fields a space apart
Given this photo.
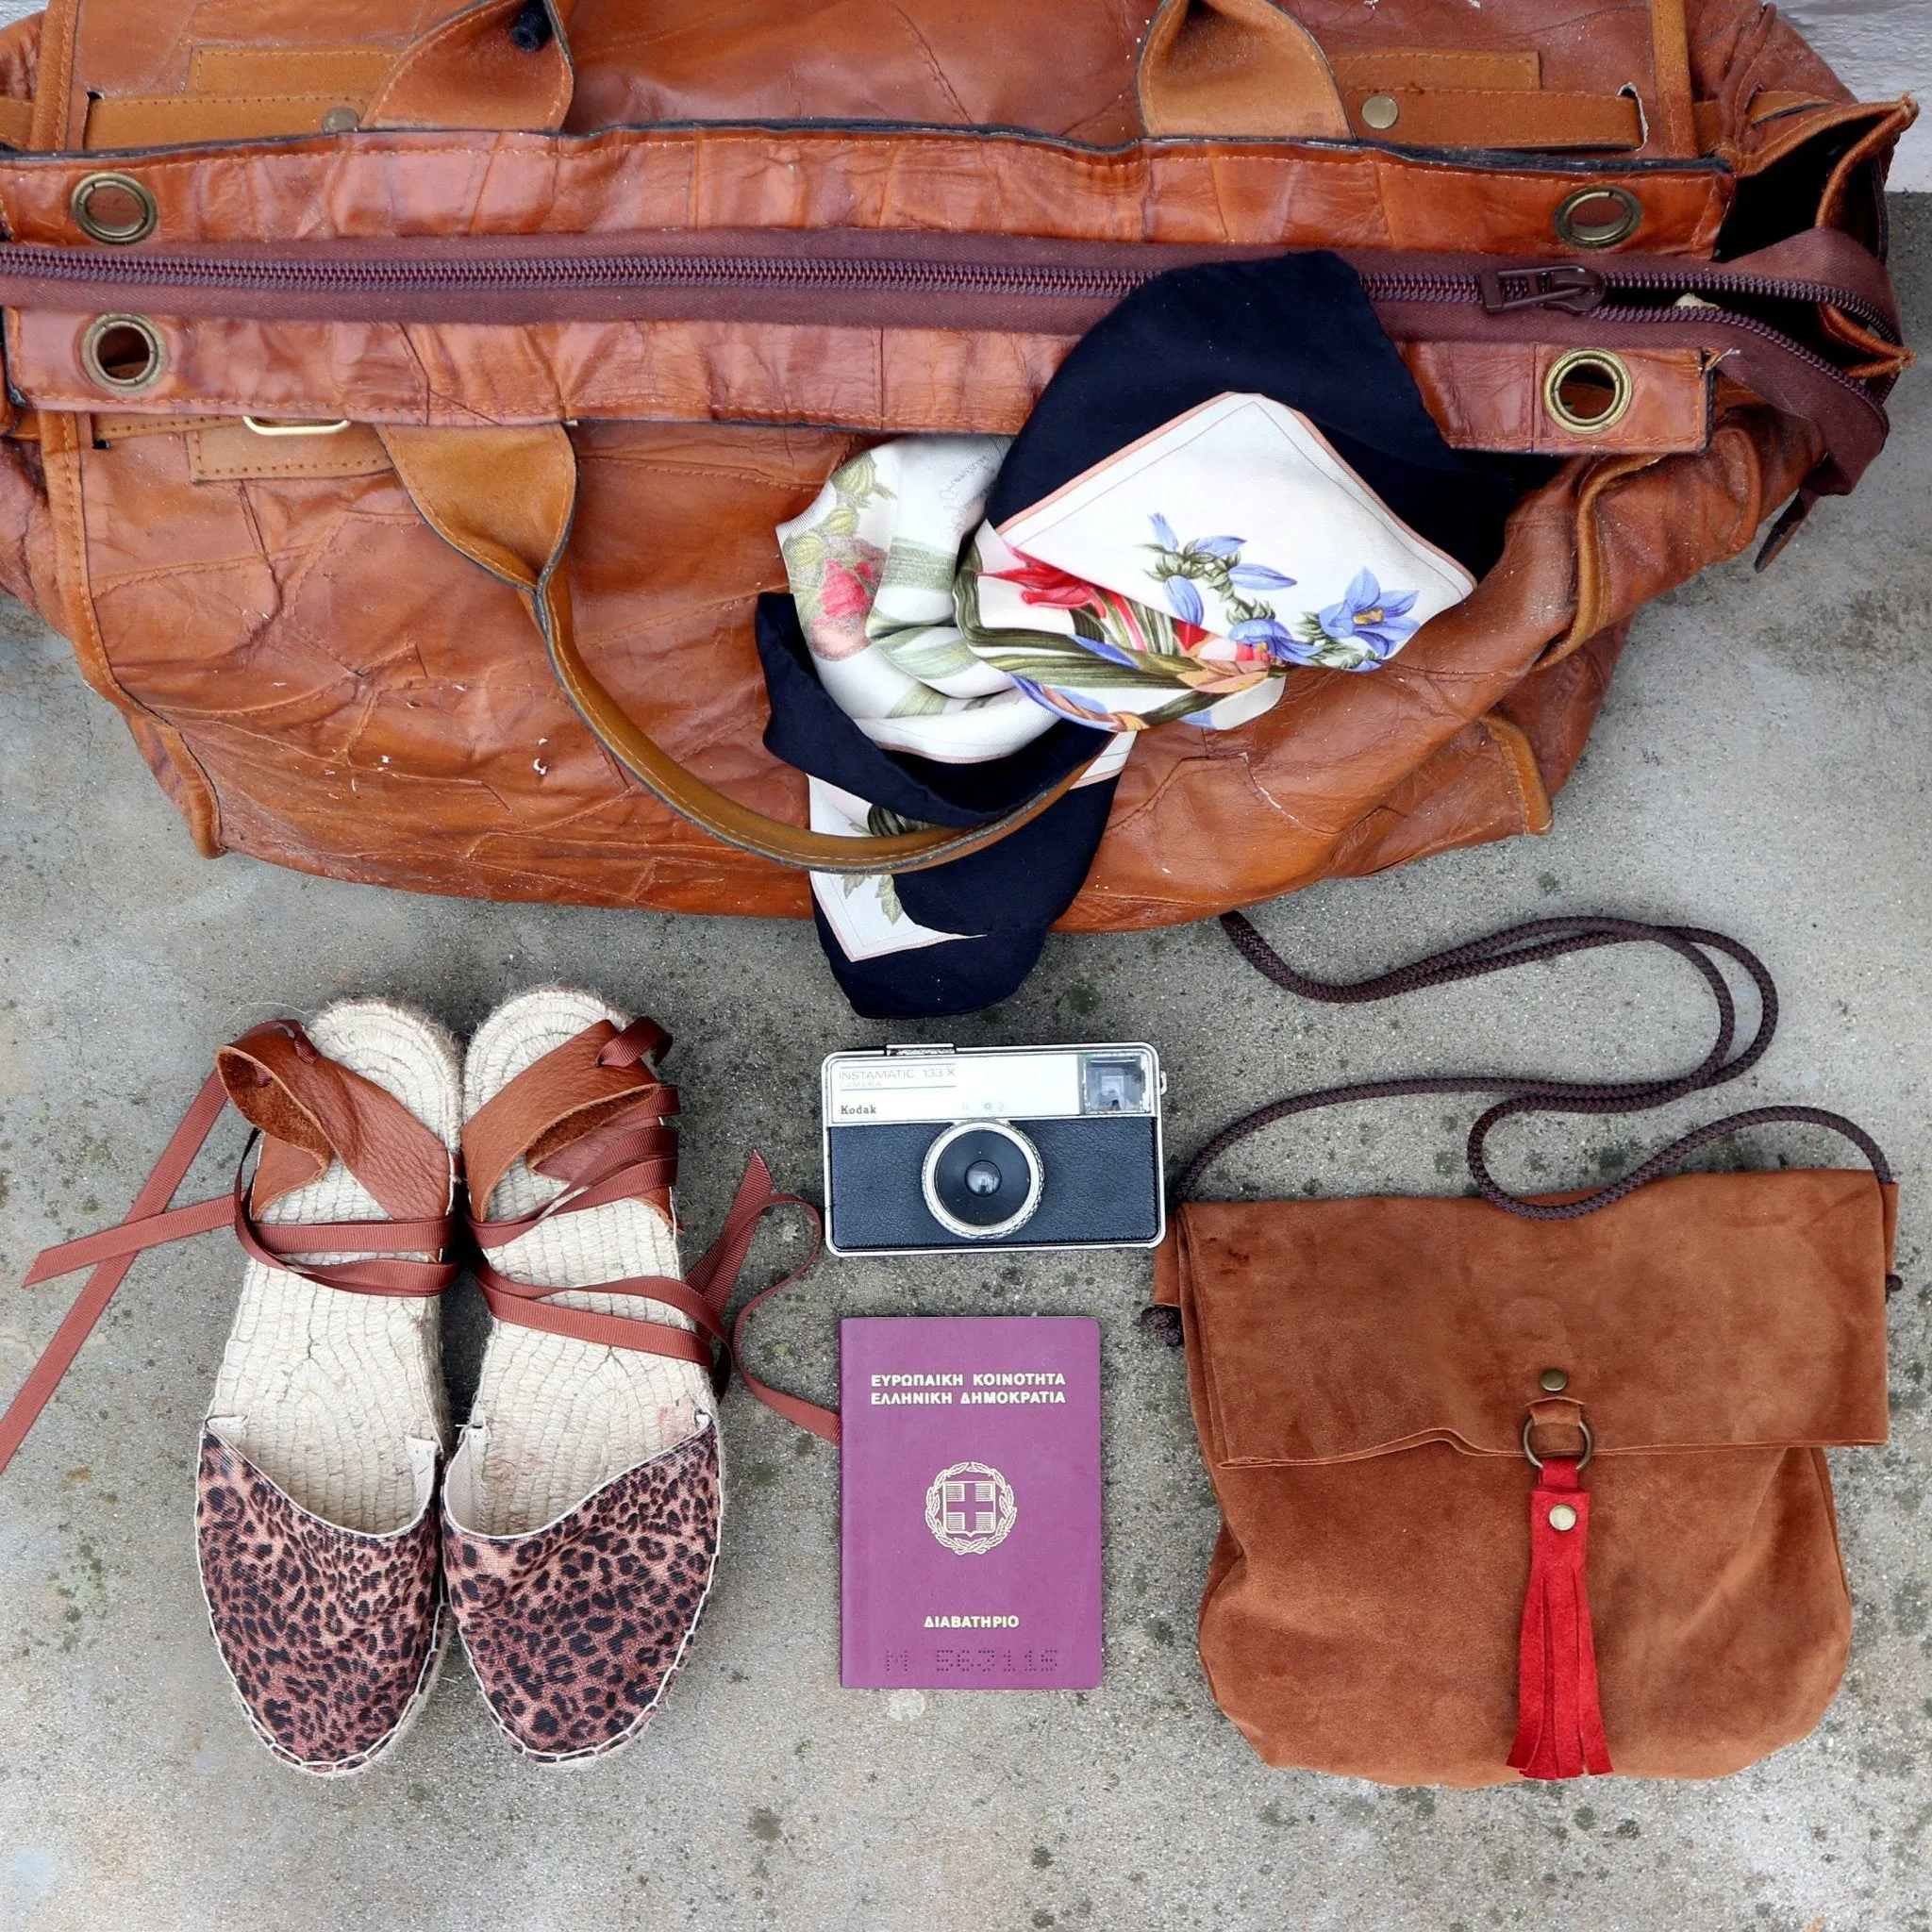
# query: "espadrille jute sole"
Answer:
x=582 y=1506
x=564 y=1416
x=317 y=1534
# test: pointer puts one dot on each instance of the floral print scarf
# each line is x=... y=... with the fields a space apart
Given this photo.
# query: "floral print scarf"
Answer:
x=940 y=635
x=944 y=637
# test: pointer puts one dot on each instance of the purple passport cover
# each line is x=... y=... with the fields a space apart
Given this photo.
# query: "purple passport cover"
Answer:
x=970 y=1503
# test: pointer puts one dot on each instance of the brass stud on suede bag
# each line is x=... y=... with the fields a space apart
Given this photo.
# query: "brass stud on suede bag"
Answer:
x=1533 y=1488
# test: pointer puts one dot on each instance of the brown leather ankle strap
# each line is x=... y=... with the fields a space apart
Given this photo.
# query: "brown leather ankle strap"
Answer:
x=592 y=1113
x=98 y=1290
x=703 y=1296
x=757 y=1198
x=528 y=1305
x=311 y=1110
x=279 y=1075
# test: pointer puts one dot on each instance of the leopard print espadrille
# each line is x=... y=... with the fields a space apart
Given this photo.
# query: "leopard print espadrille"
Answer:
x=582 y=1507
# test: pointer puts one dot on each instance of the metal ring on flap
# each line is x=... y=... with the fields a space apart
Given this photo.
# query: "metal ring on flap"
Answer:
x=1582 y=1461
x=123 y=353
x=1598 y=217
x=98 y=224
x=263 y=427
x=1584 y=375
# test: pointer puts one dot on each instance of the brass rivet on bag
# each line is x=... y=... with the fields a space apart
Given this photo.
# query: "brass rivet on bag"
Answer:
x=1555 y=1380
x=1562 y=1517
x=1380 y=110
x=113 y=208
x=341 y=121
x=1586 y=390
x=1598 y=217
x=123 y=353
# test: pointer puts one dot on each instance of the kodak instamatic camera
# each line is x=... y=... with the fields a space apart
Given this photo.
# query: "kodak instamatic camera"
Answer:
x=938 y=1147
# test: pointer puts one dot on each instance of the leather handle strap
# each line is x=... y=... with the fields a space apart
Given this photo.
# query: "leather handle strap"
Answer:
x=504 y=498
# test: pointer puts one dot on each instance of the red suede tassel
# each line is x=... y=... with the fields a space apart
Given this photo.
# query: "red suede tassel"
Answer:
x=1560 y=1731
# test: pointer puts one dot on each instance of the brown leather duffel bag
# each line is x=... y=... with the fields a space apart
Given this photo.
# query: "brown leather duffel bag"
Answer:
x=602 y=294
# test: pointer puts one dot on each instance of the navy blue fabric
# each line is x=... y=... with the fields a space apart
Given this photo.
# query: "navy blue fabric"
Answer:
x=1025 y=881
x=1297 y=328
x=1007 y=897
x=957 y=976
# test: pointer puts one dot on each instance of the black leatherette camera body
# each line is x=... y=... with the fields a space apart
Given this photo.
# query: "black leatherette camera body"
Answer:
x=932 y=1149
x=1101 y=1188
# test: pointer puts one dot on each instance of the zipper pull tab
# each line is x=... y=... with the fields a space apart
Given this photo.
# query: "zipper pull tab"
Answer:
x=1569 y=286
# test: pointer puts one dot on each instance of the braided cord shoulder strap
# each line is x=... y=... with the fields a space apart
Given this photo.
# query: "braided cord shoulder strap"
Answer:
x=1521 y=945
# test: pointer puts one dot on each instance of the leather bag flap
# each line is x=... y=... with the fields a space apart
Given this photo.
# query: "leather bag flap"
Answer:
x=1705 y=1311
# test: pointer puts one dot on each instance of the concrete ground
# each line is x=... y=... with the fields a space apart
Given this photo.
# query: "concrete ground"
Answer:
x=1764 y=765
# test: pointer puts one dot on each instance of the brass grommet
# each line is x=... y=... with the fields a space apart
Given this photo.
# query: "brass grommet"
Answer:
x=123 y=353
x=1598 y=217
x=344 y=120
x=1562 y=1517
x=1380 y=110
x=1587 y=389
x=113 y=208
x=1555 y=1380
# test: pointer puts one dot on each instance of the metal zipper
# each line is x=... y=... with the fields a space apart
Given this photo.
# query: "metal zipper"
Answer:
x=1582 y=288
x=1577 y=287
x=376 y=275
x=1573 y=288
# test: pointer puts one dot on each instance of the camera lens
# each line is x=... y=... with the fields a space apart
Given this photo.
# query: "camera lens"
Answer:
x=982 y=1178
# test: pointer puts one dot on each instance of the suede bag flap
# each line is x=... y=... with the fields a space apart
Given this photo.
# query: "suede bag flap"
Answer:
x=1707 y=1311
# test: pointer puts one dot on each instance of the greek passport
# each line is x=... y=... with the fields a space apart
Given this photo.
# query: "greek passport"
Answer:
x=970 y=1503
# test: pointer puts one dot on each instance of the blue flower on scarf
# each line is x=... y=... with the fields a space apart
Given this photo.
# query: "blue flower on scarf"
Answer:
x=1215 y=561
x=1271 y=635
x=1258 y=576
x=1368 y=615
x=1053 y=699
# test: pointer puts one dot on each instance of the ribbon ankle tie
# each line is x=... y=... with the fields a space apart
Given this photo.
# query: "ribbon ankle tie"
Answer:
x=150 y=1222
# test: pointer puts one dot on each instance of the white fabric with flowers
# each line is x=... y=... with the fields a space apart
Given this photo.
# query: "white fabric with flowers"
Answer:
x=1183 y=578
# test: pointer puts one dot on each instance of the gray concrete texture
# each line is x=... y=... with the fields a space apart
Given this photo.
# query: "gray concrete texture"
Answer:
x=1762 y=766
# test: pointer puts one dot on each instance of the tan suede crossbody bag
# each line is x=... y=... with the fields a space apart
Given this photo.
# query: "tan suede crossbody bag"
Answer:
x=1533 y=1488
